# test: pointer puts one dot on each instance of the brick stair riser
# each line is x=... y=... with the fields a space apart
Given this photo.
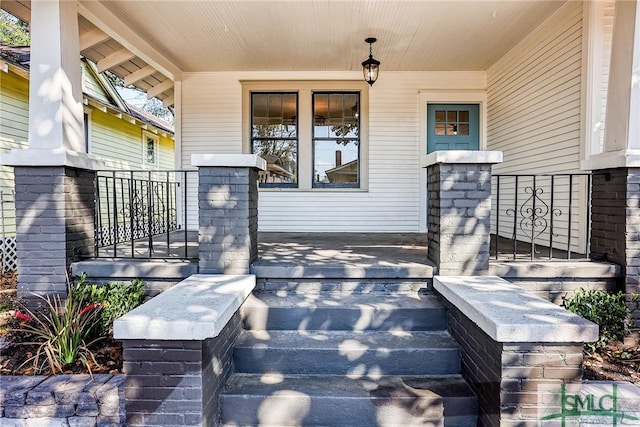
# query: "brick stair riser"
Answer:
x=346 y=319
x=418 y=361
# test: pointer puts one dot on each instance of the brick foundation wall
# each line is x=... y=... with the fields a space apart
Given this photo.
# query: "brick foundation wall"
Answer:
x=228 y=218
x=507 y=377
x=54 y=217
x=171 y=383
x=555 y=289
x=458 y=217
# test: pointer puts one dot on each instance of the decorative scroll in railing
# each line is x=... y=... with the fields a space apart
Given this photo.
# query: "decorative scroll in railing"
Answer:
x=141 y=214
x=540 y=216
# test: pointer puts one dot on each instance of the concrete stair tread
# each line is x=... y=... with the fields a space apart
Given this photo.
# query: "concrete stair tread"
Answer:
x=345 y=300
x=346 y=340
x=346 y=311
x=321 y=400
x=346 y=387
x=350 y=269
x=359 y=286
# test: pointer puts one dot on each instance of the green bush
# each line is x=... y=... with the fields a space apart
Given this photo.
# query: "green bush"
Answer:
x=608 y=311
x=116 y=299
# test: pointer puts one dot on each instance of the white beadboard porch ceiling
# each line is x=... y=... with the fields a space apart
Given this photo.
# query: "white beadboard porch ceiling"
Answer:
x=150 y=42
x=329 y=35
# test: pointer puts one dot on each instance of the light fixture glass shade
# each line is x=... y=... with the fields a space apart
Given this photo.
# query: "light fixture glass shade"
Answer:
x=370 y=69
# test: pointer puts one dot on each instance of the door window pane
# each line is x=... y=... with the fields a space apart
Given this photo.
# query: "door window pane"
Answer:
x=451 y=122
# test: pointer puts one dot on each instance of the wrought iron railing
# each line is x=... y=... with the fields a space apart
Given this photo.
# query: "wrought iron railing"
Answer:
x=541 y=216
x=141 y=214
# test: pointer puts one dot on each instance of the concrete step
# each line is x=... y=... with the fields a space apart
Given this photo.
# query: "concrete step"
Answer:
x=347 y=352
x=344 y=311
x=279 y=400
x=321 y=284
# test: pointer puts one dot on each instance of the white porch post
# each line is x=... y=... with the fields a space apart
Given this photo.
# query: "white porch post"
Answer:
x=53 y=176
x=615 y=227
x=55 y=95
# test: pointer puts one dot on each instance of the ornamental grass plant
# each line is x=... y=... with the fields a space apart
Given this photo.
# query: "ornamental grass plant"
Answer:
x=60 y=331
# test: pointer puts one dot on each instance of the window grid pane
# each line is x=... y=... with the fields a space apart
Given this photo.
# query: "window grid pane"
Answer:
x=274 y=128
x=451 y=122
x=336 y=139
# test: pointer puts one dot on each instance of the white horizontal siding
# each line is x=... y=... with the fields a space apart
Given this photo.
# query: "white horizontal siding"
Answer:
x=212 y=123
x=533 y=117
x=91 y=87
x=116 y=139
x=14 y=122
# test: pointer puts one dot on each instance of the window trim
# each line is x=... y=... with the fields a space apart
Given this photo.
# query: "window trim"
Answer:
x=156 y=147
x=305 y=89
x=87 y=128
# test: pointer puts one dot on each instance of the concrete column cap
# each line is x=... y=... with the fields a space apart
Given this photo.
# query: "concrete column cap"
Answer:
x=197 y=308
x=461 y=157
x=507 y=313
x=229 y=161
x=51 y=157
x=612 y=159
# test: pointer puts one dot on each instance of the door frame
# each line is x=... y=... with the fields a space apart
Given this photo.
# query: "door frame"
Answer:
x=447 y=97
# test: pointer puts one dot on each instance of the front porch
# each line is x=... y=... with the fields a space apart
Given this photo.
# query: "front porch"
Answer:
x=358 y=257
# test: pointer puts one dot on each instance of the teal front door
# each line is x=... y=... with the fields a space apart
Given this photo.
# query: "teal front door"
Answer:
x=453 y=127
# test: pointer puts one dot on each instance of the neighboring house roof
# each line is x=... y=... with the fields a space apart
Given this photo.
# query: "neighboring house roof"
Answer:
x=104 y=96
x=148 y=117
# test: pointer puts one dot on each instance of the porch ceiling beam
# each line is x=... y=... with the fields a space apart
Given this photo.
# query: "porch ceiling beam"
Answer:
x=92 y=38
x=138 y=75
x=168 y=101
x=159 y=88
x=116 y=58
x=100 y=16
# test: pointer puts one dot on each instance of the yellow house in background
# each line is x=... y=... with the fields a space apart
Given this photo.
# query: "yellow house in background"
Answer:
x=122 y=134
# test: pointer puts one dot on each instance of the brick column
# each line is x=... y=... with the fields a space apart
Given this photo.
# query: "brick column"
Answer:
x=459 y=210
x=227 y=211
x=511 y=378
x=615 y=225
x=178 y=383
x=518 y=351
x=177 y=361
x=54 y=185
x=54 y=217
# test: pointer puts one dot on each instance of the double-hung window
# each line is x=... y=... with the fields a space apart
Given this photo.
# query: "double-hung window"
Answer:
x=313 y=135
x=150 y=149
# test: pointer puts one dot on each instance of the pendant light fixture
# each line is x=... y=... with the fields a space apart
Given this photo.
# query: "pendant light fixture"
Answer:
x=370 y=66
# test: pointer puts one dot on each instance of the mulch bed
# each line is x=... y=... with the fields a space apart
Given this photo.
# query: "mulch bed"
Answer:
x=13 y=355
x=108 y=355
x=619 y=362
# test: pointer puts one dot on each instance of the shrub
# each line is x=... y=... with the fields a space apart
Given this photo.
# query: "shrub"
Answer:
x=608 y=311
x=60 y=330
x=116 y=298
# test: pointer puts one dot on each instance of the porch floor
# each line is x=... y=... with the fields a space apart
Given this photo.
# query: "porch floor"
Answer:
x=178 y=246
x=354 y=255
x=328 y=249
